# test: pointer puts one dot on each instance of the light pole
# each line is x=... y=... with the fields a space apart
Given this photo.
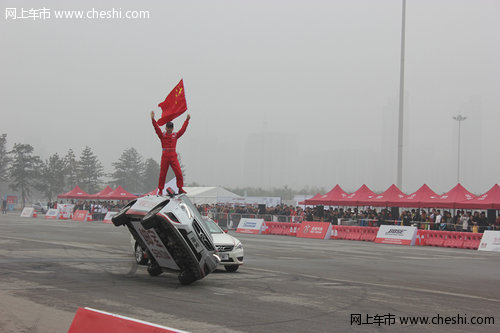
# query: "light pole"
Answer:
x=399 y=181
x=459 y=118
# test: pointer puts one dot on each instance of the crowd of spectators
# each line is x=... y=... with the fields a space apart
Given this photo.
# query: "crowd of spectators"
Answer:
x=432 y=219
x=98 y=209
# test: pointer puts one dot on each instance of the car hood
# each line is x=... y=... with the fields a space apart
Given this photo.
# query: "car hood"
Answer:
x=224 y=239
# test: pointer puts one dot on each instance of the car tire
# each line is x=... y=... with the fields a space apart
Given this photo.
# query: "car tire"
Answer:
x=121 y=218
x=140 y=255
x=231 y=268
x=150 y=220
x=154 y=269
x=186 y=277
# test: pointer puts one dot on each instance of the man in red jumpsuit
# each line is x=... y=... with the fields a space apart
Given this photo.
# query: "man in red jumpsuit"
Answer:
x=169 y=155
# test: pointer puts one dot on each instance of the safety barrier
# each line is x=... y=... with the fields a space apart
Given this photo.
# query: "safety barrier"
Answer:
x=436 y=237
x=454 y=239
x=439 y=238
x=350 y=232
x=471 y=240
x=281 y=228
x=368 y=234
x=91 y=320
x=421 y=237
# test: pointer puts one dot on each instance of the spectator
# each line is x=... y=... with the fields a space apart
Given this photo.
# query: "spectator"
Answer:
x=464 y=221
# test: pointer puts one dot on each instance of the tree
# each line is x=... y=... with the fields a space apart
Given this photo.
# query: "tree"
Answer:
x=70 y=170
x=129 y=170
x=23 y=170
x=4 y=158
x=89 y=171
x=150 y=175
x=52 y=176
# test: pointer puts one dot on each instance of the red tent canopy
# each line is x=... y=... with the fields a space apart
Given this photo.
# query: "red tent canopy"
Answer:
x=119 y=194
x=449 y=199
x=102 y=194
x=358 y=198
x=331 y=198
x=153 y=192
x=308 y=201
x=388 y=198
x=76 y=193
x=489 y=200
x=424 y=193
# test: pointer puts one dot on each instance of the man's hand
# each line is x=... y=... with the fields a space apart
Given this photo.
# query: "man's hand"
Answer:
x=188 y=117
x=152 y=115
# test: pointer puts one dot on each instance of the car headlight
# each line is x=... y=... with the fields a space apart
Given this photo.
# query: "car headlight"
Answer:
x=239 y=246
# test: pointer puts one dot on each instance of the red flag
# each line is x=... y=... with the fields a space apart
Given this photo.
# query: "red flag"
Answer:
x=174 y=105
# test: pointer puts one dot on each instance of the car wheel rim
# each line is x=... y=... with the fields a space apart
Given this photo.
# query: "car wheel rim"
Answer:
x=138 y=253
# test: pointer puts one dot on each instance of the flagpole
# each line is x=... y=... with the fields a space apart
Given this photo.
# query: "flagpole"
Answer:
x=399 y=181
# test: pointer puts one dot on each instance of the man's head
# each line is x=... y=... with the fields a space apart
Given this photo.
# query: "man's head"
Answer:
x=169 y=127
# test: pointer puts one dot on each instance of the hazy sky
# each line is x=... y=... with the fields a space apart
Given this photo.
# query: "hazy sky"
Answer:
x=290 y=93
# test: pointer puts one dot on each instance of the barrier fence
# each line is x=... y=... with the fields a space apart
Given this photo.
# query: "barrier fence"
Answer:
x=231 y=220
x=452 y=239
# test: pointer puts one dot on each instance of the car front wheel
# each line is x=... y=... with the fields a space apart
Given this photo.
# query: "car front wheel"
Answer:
x=232 y=268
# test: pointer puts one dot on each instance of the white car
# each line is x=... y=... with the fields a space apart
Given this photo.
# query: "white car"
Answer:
x=172 y=233
x=230 y=249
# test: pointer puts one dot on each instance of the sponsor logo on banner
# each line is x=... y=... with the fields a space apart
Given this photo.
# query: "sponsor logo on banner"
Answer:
x=395 y=234
x=319 y=230
x=52 y=214
x=251 y=226
x=490 y=241
x=27 y=212
x=80 y=215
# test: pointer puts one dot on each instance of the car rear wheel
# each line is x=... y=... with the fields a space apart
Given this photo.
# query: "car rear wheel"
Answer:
x=232 y=268
x=121 y=218
x=140 y=255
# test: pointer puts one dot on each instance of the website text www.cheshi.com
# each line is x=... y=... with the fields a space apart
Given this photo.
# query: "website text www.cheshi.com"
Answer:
x=438 y=319
x=42 y=14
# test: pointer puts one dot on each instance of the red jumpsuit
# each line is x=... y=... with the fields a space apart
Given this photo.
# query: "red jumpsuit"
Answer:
x=169 y=156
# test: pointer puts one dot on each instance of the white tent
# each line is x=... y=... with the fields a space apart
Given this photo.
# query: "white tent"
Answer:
x=209 y=195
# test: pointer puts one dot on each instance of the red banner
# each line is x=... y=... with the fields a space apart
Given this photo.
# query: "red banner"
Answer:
x=319 y=230
x=80 y=215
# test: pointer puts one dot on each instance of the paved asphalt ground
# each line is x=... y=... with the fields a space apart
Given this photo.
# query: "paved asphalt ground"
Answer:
x=50 y=268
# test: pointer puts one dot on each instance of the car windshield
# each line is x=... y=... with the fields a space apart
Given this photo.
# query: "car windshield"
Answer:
x=212 y=226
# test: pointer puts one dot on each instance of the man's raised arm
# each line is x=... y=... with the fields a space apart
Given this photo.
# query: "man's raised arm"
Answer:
x=155 y=125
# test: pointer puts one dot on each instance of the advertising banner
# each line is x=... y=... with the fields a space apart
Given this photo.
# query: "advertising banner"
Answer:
x=395 y=234
x=490 y=241
x=318 y=230
x=52 y=214
x=65 y=211
x=251 y=226
x=27 y=212
x=109 y=216
x=80 y=215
